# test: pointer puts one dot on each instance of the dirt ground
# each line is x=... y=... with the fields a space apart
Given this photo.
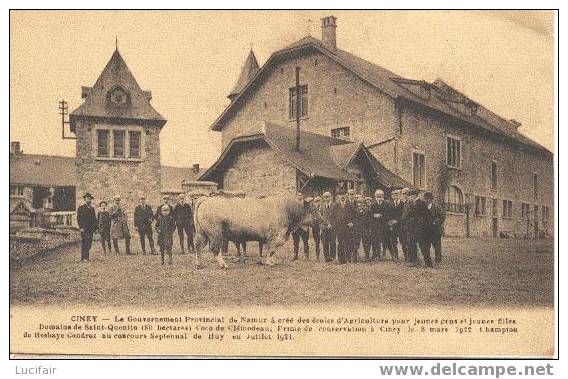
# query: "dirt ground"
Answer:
x=475 y=272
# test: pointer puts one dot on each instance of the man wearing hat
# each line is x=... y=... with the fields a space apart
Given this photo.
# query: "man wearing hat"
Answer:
x=436 y=226
x=143 y=217
x=103 y=223
x=301 y=233
x=408 y=223
x=395 y=231
x=119 y=228
x=344 y=215
x=87 y=220
x=327 y=225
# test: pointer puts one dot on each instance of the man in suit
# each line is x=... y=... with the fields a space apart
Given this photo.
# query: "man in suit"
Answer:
x=344 y=214
x=119 y=228
x=183 y=215
x=327 y=227
x=409 y=224
x=361 y=230
x=395 y=230
x=87 y=220
x=301 y=233
x=381 y=212
x=437 y=218
x=423 y=226
x=352 y=202
x=316 y=225
x=143 y=217
x=103 y=223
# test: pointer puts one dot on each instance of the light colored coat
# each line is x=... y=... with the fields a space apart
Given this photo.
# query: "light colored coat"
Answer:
x=119 y=228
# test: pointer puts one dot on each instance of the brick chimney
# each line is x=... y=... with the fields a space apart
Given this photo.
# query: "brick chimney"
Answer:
x=328 y=26
x=15 y=149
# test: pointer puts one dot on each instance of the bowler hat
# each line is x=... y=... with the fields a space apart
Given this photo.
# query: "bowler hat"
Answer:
x=88 y=194
x=103 y=202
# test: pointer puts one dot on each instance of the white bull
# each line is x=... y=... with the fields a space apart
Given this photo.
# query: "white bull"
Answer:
x=268 y=220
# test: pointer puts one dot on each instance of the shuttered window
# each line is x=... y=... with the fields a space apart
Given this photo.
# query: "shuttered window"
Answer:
x=453 y=152
x=418 y=169
x=303 y=102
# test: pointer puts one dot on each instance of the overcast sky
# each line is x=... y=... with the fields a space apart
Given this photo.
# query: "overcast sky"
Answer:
x=190 y=61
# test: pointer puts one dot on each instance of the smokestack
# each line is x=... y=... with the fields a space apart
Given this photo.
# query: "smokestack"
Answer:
x=328 y=26
x=195 y=168
x=15 y=149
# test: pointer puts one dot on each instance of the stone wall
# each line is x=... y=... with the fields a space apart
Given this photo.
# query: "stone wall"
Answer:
x=259 y=171
x=31 y=242
x=127 y=178
x=337 y=98
x=515 y=168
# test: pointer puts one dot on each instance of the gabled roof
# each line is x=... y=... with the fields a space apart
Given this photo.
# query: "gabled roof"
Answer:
x=43 y=170
x=248 y=72
x=319 y=155
x=385 y=81
x=116 y=74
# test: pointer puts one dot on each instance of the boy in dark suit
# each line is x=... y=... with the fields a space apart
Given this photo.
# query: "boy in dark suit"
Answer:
x=103 y=222
x=166 y=226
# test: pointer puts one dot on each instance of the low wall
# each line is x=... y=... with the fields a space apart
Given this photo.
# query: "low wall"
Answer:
x=31 y=242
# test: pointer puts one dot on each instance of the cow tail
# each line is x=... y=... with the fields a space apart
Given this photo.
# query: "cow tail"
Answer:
x=200 y=236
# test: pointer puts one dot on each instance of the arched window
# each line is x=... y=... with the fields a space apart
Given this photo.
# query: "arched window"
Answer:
x=454 y=200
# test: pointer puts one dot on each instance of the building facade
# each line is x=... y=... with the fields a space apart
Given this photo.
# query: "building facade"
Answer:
x=493 y=181
x=118 y=138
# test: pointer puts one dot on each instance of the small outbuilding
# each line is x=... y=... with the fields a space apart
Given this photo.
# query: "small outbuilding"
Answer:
x=267 y=163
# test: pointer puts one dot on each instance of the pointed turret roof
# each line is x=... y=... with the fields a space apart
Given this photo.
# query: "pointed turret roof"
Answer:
x=248 y=72
x=117 y=75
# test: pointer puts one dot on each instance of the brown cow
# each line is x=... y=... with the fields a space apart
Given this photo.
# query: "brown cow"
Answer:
x=270 y=220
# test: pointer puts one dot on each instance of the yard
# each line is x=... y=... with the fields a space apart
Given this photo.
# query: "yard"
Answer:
x=475 y=272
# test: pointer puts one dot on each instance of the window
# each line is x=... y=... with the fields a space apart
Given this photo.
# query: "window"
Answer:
x=494 y=206
x=102 y=143
x=507 y=209
x=545 y=213
x=453 y=152
x=493 y=175
x=303 y=102
x=418 y=169
x=454 y=200
x=525 y=210
x=535 y=186
x=134 y=144
x=16 y=190
x=118 y=136
x=480 y=206
x=343 y=133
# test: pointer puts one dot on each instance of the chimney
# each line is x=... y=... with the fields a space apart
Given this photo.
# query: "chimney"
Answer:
x=15 y=149
x=515 y=123
x=328 y=26
x=195 y=168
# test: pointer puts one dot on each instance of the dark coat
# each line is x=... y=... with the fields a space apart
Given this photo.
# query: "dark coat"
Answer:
x=183 y=214
x=397 y=210
x=165 y=226
x=103 y=221
x=143 y=216
x=343 y=215
x=437 y=218
x=362 y=221
x=386 y=209
x=87 y=218
x=422 y=219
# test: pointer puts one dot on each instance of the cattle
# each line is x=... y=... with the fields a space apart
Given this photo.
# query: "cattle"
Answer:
x=270 y=220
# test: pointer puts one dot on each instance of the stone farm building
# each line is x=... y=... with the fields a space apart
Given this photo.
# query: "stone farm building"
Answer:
x=492 y=179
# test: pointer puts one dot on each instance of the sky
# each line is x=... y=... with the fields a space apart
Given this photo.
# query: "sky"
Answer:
x=190 y=61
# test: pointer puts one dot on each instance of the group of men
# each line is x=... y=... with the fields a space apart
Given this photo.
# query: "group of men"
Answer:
x=409 y=217
x=112 y=224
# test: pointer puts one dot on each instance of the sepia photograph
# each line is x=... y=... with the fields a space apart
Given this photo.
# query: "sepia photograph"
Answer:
x=323 y=183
